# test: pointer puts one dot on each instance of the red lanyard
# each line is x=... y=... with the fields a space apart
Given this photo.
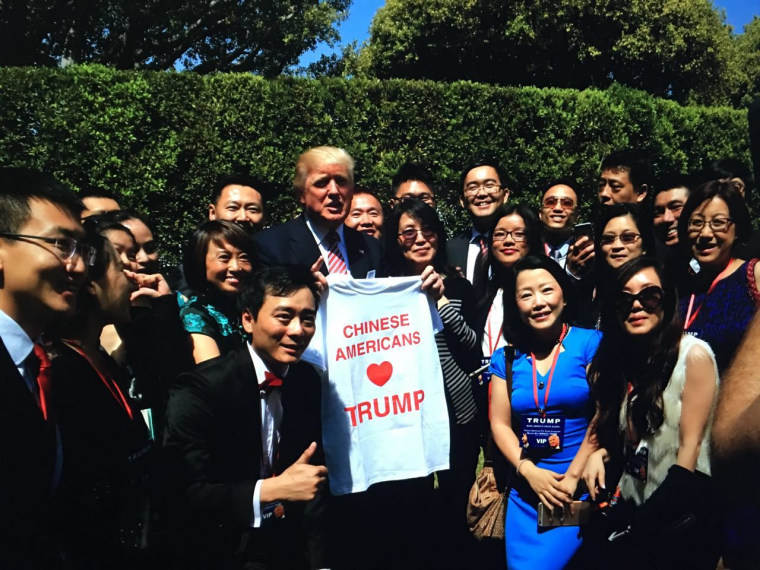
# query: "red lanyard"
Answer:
x=493 y=344
x=542 y=411
x=690 y=318
x=109 y=383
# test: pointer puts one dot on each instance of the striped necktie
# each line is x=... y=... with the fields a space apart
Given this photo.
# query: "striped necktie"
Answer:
x=335 y=261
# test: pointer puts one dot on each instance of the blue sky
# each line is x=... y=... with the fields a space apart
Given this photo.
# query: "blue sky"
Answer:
x=356 y=27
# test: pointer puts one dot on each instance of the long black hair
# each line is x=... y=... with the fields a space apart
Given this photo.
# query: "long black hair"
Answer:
x=647 y=368
x=427 y=218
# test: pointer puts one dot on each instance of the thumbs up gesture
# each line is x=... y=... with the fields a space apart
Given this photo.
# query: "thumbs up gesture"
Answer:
x=299 y=482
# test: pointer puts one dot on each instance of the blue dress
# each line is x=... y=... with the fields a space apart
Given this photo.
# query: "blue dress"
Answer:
x=527 y=545
x=725 y=313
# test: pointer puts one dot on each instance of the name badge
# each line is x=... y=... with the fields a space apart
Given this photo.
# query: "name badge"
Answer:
x=542 y=432
x=636 y=463
x=485 y=376
x=272 y=511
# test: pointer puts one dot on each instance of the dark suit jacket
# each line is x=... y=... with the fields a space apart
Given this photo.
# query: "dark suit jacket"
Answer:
x=27 y=451
x=456 y=250
x=213 y=437
x=292 y=242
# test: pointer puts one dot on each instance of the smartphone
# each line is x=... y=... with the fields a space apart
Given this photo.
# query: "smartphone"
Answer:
x=584 y=229
x=574 y=514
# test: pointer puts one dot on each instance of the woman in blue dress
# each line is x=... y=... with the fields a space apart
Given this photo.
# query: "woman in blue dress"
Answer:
x=540 y=426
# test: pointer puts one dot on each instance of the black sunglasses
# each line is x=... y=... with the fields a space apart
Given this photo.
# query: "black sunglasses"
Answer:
x=649 y=297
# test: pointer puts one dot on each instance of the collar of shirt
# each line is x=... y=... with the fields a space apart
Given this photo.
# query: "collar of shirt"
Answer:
x=17 y=342
x=562 y=248
x=259 y=367
x=475 y=234
x=320 y=235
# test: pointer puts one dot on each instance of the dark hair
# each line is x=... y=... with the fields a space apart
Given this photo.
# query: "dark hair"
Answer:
x=726 y=191
x=107 y=221
x=499 y=273
x=92 y=192
x=672 y=180
x=275 y=280
x=213 y=231
x=428 y=218
x=726 y=169
x=571 y=182
x=503 y=177
x=410 y=171
x=615 y=363
x=105 y=253
x=358 y=189
x=124 y=215
x=515 y=330
x=238 y=179
x=641 y=218
x=20 y=185
x=636 y=163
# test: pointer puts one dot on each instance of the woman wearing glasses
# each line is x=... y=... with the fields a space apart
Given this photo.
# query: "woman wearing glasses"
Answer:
x=722 y=293
x=415 y=239
x=622 y=233
x=655 y=389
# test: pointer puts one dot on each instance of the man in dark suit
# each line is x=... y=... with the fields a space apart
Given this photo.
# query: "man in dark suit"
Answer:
x=324 y=184
x=42 y=266
x=244 y=432
x=483 y=187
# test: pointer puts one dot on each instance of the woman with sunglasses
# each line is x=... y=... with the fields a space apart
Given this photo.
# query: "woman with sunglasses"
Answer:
x=623 y=232
x=655 y=389
x=415 y=239
x=722 y=294
x=539 y=421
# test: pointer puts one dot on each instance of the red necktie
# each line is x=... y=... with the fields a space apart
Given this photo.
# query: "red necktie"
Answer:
x=270 y=381
x=44 y=378
x=335 y=261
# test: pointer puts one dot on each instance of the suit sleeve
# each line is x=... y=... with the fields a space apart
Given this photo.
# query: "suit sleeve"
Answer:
x=191 y=426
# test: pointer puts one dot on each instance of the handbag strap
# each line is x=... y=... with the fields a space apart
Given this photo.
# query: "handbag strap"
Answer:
x=509 y=358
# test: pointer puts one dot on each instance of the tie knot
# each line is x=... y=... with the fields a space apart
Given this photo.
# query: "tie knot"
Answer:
x=270 y=381
x=332 y=238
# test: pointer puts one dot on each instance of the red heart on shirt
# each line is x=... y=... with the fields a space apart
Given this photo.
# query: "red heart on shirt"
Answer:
x=379 y=374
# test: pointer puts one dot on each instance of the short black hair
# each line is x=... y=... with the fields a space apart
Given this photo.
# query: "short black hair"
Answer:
x=671 y=180
x=277 y=281
x=726 y=191
x=635 y=162
x=124 y=215
x=411 y=171
x=194 y=256
x=503 y=178
x=426 y=215
x=20 y=185
x=92 y=192
x=565 y=181
x=727 y=168
x=240 y=179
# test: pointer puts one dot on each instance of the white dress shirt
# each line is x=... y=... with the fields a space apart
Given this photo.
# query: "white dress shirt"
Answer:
x=320 y=236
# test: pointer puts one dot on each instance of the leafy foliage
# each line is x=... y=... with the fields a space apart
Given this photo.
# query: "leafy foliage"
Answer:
x=161 y=139
x=679 y=49
x=202 y=35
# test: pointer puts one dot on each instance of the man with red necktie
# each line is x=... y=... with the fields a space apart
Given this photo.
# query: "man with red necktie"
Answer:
x=42 y=266
x=324 y=185
x=244 y=433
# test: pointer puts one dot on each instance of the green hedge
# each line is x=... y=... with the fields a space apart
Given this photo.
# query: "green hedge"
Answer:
x=161 y=139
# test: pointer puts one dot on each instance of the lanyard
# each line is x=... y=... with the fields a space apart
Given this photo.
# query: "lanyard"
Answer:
x=690 y=318
x=109 y=383
x=493 y=343
x=542 y=411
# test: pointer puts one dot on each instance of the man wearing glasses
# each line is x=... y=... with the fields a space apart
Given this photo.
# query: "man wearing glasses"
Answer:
x=42 y=266
x=559 y=212
x=412 y=181
x=484 y=187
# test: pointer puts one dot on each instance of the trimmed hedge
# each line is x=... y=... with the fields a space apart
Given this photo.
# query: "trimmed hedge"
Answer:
x=161 y=139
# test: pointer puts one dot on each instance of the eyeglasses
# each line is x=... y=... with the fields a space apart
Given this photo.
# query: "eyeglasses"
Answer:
x=650 y=299
x=410 y=234
x=566 y=203
x=501 y=235
x=490 y=187
x=65 y=247
x=626 y=238
x=716 y=224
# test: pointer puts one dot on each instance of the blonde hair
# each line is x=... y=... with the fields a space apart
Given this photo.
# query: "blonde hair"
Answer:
x=317 y=156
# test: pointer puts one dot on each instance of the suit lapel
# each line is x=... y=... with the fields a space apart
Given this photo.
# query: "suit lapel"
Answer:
x=249 y=393
x=302 y=244
x=357 y=256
